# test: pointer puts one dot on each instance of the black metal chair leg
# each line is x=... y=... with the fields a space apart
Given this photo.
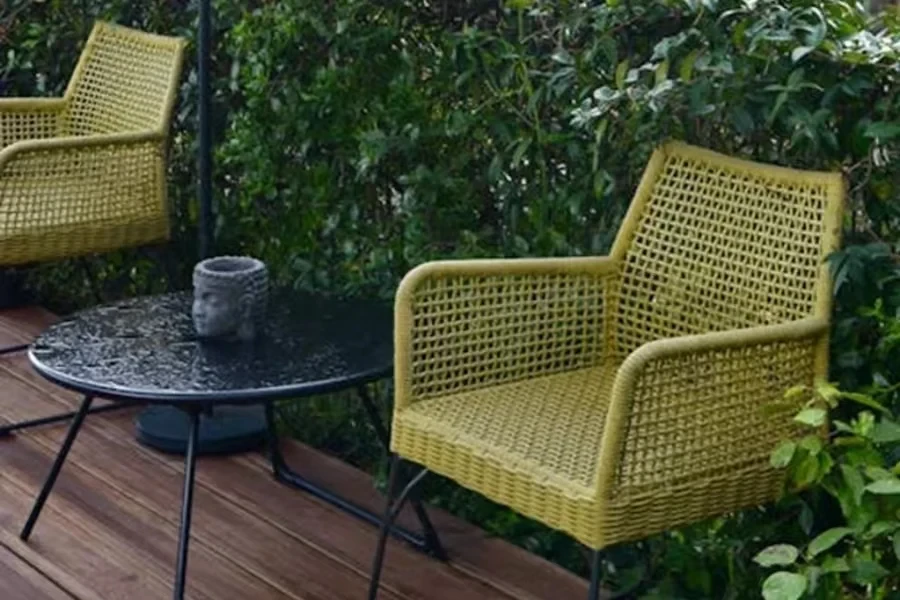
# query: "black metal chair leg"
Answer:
x=596 y=572
x=57 y=465
x=432 y=542
x=184 y=535
x=386 y=523
x=6 y=430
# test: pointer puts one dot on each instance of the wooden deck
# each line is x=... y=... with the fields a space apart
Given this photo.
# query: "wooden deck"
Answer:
x=109 y=529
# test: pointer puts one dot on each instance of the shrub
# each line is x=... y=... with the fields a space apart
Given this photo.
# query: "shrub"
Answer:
x=857 y=555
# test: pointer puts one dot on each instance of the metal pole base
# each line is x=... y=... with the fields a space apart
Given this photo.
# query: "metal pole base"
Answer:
x=227 y=430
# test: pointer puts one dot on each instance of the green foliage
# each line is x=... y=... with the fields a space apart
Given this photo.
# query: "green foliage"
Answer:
x=859 y=467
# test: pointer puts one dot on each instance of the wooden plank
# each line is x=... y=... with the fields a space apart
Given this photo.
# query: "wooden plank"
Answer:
x=21 y=325
x=117 y=531
x=75 y=550
x=20 y=400
x=493 y=561
x=239 y=533
x=330 y=531
x=21 y=581
x=479 y=557
x=297 y=545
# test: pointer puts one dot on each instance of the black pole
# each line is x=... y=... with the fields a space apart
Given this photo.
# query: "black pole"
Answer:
x=204 y=49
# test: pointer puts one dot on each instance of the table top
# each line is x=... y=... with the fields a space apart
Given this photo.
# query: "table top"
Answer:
x=145 y=349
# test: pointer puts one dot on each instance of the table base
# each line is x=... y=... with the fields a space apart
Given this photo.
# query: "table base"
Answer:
x=228 y=430
x=190 y=419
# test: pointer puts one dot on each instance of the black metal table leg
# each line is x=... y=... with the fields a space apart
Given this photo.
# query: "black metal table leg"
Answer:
x=427 y=542
x=8 y=429
x=13 y=349
x=184 y=535
x=77 y=420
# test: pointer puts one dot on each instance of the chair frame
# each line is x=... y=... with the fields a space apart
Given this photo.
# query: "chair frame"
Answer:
x=808 y=330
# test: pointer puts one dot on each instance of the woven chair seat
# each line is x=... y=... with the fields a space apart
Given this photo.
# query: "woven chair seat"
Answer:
x=546 y=429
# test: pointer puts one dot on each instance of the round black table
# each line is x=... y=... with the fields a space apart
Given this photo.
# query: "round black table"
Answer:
x=144 y=350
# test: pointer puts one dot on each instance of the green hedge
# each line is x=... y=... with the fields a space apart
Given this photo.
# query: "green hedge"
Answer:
x=359 y=138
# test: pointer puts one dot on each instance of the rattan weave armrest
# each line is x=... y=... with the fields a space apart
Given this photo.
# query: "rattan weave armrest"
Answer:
x=720 y=395
x=30 y=118
x=462 y=325
x=70 y=196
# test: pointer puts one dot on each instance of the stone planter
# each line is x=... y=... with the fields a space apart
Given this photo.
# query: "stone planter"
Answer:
x=230 y=297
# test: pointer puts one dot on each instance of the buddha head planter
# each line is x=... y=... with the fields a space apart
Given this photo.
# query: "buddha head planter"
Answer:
x=230 y=297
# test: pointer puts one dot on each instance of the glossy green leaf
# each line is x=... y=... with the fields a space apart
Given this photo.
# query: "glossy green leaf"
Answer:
x=814 y=417
x=884 y=486
x=781 y=457
x=883 y=130
x=835 y=564
x=777 y=555
x=827 y=539
x=784 y=586
x=855 y=482
x=866 y=571
x=886 y=432
x=800 y=52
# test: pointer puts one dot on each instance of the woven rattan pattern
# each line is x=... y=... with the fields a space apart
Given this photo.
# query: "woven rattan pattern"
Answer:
x=720 y=248
x=125 y=83
x=477 y=332
x=86 y=173
x=541 y=384
x=27 y=121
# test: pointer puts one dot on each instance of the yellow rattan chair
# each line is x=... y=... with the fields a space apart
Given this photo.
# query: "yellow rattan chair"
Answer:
x=616 y=397
x=85 y=173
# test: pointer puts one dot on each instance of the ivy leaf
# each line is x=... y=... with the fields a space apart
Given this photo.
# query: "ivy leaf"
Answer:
x=812 y=444
x=835 y=564
x=686 y=69
x=827 y=539
x=814 y=417
x=807 y=471
x=854 y=481
x=806 y=519
x=884 y=487
x=784 y=586
x=865 y=401
x=782 y=455
x=883 y=130
x=801 y=51
x=897 y=545
x=777 y=555
x=865 y=571
x=886 y=432
x=881 y=527
x=621 y=71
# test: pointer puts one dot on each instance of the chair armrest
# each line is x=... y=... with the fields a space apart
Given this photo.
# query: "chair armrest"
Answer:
x=463 y=325
x=66 y=196
x=685 y=408
x=57 y=151
x=30 y=118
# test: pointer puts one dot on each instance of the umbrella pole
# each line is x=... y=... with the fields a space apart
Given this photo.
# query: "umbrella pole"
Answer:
x=228 y=429
x=204 y=159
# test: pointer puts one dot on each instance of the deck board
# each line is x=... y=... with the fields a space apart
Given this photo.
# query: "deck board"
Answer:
x=109 y=529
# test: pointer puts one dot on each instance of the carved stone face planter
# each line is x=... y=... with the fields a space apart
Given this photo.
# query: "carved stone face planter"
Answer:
x=230 y=297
